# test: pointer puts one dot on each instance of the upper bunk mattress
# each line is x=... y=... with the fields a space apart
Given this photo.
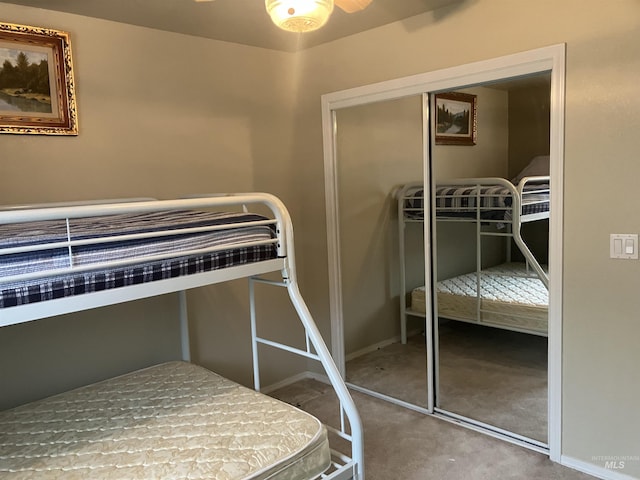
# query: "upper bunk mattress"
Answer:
x=139 y=248
x=510 y=296
x=171 y=421
x=494 y=201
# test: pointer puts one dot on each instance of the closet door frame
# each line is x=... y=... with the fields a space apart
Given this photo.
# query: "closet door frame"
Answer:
x=546 y=59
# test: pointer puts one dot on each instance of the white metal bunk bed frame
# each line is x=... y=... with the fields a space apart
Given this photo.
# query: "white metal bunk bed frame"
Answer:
x=513 y=227
x=343 y=467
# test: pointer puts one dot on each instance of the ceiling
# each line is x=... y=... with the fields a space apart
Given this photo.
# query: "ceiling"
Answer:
x=238 y=21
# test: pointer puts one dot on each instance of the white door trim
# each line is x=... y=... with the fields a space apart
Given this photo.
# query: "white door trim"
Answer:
x=551 y=58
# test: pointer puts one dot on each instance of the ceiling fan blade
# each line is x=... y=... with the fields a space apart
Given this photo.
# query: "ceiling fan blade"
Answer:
x=351 y=6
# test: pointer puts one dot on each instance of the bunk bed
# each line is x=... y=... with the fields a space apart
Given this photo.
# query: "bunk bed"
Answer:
x=513 y=295
x=177 y=419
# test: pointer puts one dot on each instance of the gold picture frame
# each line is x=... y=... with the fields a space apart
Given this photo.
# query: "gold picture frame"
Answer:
x=455 y=119
x=37 y=90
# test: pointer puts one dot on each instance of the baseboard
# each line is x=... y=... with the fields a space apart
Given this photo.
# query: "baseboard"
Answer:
x=378 y=346
x=615 y=472
x=319 y=377
x=287 y=381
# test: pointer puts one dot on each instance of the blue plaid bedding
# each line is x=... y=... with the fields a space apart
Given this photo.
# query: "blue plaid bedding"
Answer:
x=495 y=201
x=175 y=244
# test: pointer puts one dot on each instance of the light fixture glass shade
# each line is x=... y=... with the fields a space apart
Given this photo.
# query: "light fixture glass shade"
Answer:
x=299 y=15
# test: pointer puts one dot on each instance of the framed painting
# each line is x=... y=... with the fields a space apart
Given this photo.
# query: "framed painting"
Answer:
x=37 y=92
x=455 y=119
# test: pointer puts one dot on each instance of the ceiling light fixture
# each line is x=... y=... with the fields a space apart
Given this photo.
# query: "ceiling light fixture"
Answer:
x=299 y=15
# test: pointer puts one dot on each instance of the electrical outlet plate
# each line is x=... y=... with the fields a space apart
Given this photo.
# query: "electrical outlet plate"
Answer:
x=623 y=245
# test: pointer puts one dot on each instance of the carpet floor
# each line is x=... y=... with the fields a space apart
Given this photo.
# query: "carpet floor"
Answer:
x=403 y=444
x=494 y=376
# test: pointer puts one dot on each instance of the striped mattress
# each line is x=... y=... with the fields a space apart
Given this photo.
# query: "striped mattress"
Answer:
x=494 y=201
x=510 y=297
x=172 y=421
x=141 y=248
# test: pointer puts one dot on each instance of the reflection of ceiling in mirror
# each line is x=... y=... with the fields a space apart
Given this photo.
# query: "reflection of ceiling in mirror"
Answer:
x=529 y=81
x=517 y=83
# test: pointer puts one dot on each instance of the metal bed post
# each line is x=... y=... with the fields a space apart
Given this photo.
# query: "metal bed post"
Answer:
x=254 y=335
x=346 y=402
x=184 y=326
x=355 y=467
x=517 y=234
x=311 y=329
x=401 y=195
x=402 y=266
x=315 y=349
x=508 y=240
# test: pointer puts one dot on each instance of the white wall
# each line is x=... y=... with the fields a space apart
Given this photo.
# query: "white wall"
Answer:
x=601 y=328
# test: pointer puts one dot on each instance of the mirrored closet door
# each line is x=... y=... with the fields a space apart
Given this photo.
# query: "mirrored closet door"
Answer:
x=379 y=146
x=490 y=301
x=402 y=326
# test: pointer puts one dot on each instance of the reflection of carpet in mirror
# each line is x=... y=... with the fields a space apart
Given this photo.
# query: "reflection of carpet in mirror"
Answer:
x=397 y=370
x=494 y=376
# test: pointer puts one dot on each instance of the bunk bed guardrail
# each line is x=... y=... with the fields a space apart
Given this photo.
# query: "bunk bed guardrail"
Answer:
x=486 y=200
x=494 y=200
x=279 y=222
x=511 y=200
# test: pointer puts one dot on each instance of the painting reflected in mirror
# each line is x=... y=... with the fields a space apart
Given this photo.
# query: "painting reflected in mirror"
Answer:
x=490 y=354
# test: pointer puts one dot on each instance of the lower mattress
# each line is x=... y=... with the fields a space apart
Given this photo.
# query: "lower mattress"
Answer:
x=510 y=297
x=172 y=421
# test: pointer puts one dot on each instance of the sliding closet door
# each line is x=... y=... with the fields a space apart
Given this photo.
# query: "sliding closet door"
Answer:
x=379 y=146
x=493 y=371
x=532 y=125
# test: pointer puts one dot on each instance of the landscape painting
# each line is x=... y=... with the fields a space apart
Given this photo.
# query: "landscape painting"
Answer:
x=36 y=81
x=455 y=119
x=24 y=81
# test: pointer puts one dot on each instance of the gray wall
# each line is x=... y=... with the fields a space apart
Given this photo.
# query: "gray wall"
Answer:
x=528 y=124
x=601 y=328
x=379 y=147
x=160 y=115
